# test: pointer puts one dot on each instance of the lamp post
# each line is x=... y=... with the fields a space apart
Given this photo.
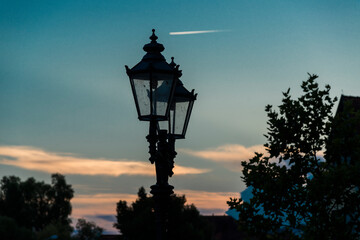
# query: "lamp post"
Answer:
x=162 y=100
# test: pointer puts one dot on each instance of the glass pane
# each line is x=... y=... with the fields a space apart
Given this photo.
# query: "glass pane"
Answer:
x=171 y=119
x=180 y=117
x=142 y=94
x=163 y=125
x=161 y=94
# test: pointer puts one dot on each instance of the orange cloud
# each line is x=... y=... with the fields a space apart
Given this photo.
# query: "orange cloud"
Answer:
x=208 y=200
x=90 y=206
x=98 y=204
x=85 y=205
x=230 y=155
x=37 y=159
x=226 y=152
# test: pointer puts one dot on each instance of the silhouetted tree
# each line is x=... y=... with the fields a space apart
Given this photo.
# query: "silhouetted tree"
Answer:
x=87 y=230
x=34 y=204
x=55 y=230
x=296 y=194
x=9 y=230
x=137 y=221
x=61 y=193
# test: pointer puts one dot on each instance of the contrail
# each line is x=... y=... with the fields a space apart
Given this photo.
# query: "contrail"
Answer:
x=195 y=32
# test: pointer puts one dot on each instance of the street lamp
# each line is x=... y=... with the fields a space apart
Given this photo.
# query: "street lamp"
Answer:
x=161 y=99
x=153 y=82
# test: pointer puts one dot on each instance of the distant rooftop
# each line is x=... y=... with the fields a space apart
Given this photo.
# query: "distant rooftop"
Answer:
x=355 y=101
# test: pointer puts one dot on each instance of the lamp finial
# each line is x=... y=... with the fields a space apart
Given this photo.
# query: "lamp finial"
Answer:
x=153 y=37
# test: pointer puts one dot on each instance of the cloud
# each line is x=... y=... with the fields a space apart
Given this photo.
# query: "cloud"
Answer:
x=180 y=170
x=230 y=155
x=93 y=207
x=208 y=202
x=226 y=153
x=195 y=32
x=40 y=160
x=105 y=203
x=109 y=218
x=98 y=204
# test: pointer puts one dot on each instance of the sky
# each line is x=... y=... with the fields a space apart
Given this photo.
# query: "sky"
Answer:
x=66 y=104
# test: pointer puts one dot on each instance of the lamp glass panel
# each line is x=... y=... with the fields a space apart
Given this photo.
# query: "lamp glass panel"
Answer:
x=179 y=117
x=161 y=90
x=163 y=125
x=142 y=95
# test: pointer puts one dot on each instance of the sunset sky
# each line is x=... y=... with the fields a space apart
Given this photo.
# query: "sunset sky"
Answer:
x=66 y=104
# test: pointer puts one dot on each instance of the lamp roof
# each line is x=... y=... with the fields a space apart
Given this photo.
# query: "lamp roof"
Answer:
x=182 y=94
x=153 y=59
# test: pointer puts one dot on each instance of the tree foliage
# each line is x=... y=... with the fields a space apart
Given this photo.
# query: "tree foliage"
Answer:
x=10 y=230
x=55 y=230
x=137 y=221
x=87 y=230
x=296 y=194
x=34 y=205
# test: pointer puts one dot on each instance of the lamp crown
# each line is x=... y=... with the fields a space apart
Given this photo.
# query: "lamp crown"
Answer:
x=173 y=65
x=153 y=46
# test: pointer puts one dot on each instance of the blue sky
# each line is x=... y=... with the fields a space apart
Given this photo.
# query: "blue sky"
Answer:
x=65 y=97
